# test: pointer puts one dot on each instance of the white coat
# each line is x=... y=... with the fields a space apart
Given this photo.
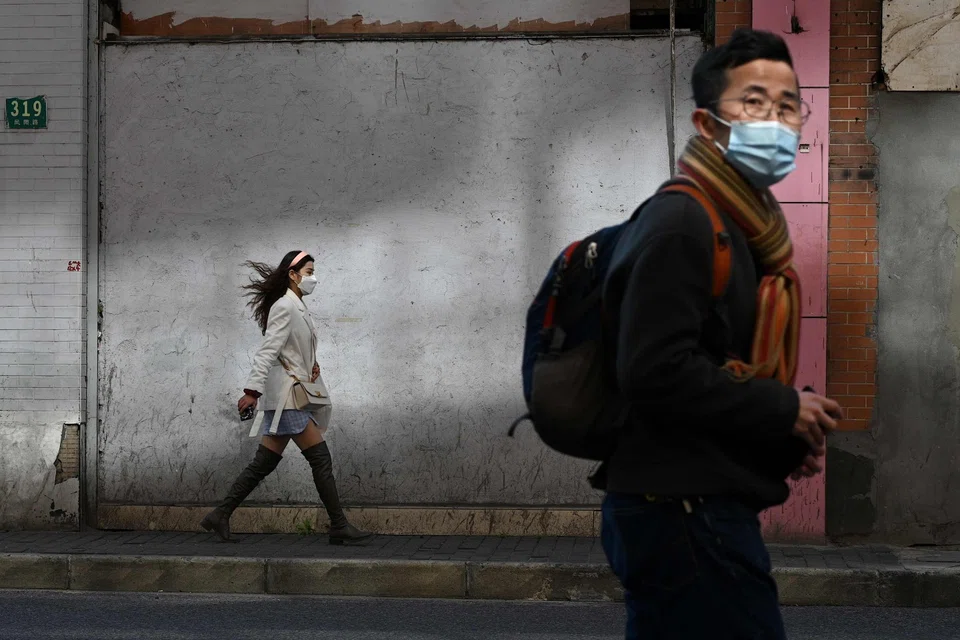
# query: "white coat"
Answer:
x=290 y=335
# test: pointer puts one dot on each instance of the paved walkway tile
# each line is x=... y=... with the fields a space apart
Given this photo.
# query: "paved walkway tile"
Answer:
x=460 y=548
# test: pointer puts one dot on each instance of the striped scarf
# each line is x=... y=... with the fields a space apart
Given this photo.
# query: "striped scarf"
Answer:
x=757 y=213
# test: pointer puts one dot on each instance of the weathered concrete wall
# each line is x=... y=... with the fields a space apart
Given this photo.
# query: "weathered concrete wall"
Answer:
x=229 y=17
x=41 y=262
x=921 y=45
x=434 y=182
x=913 y=450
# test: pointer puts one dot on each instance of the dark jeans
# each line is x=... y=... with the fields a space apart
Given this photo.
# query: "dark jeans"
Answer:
x=704 y=574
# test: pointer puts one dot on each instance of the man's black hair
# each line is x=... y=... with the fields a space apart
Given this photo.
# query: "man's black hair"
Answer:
x=745 y=46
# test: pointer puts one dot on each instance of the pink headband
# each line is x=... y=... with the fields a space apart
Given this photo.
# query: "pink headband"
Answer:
x=300 y=256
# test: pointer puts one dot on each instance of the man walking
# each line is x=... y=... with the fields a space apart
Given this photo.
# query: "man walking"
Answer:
x=715 y=425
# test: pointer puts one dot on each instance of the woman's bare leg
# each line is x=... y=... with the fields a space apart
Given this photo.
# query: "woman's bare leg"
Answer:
x=309 y=437
x=276 y=443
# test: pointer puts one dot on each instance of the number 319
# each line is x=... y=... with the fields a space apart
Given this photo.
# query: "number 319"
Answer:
x=37 y=107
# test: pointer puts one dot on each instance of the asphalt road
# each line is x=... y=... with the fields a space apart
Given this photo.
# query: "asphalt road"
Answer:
x=69 y=615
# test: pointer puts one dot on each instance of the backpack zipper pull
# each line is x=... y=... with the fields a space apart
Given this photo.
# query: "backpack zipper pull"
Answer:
x=591 y=255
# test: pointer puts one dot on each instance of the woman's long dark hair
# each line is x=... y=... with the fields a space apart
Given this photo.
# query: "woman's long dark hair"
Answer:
x=271 y=286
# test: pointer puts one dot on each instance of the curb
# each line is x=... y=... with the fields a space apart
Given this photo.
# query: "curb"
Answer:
x=898 y=587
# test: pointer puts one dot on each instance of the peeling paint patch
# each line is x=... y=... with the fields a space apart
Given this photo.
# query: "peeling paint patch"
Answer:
x=35 y=492
x=67 y=463
x=357 y=24
x=166 y=25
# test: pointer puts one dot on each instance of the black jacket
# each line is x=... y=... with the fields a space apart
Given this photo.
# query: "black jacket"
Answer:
x=693 y=430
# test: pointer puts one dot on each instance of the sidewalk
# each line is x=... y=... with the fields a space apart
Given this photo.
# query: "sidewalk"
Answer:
x=519 y=568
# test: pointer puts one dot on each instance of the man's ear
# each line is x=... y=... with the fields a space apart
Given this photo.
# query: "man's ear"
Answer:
x=705 y=124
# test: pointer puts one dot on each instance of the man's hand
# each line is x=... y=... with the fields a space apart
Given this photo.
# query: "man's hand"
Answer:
x=817 y=417
x=316 y=372
x=811 y=466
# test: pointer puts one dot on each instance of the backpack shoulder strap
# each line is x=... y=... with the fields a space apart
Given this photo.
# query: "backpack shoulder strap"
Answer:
x=722 y=258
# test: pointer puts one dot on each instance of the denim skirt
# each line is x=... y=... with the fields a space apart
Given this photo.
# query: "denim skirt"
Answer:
x=291 y=422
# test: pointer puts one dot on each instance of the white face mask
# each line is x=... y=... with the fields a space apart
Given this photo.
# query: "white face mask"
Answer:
x=307 y=284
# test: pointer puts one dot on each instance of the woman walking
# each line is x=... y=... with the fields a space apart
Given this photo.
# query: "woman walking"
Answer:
x=287 y=354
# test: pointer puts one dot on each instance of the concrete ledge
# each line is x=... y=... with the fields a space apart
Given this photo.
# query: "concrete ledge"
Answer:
x=170 y=574
x=23 y=571
x=387 y=578
x=448 y=521
x=531 y=581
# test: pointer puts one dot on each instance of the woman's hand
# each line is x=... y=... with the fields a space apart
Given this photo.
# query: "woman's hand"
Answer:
x=246 y=402
x=316 y=372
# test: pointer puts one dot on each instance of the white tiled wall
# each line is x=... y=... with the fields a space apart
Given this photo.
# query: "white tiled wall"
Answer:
x=41 y=209
x=41 y=234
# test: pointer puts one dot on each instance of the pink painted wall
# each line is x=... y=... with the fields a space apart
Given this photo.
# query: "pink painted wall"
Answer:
x=808 y=231
x=804 y=198
x=801 y=518
x=809 y=182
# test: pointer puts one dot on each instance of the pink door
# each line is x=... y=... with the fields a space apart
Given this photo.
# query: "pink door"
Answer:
x=810 y=49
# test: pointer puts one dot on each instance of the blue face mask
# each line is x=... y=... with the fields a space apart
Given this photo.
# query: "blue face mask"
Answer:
x=764 y=151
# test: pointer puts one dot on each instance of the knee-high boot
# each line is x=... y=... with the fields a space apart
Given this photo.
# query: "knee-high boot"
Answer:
x=321 y=465
x=218 y=520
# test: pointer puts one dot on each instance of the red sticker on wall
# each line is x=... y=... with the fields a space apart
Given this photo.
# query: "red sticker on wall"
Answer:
x=73 y=265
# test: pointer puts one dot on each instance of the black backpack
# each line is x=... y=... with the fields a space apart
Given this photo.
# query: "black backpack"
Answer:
x=572 y=400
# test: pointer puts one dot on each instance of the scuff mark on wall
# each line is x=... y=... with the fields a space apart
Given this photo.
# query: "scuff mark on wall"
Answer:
x=851 y=511
x=953 y=221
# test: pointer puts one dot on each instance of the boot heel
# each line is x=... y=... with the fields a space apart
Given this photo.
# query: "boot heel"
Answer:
x=321 y=465
x=218 y=520
x=217 y=524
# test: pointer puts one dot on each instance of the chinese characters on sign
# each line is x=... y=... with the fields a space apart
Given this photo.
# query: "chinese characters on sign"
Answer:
x=73 y=265
x=24 y=113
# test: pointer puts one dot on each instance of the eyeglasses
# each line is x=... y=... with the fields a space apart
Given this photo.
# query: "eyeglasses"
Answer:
x=757 y=106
